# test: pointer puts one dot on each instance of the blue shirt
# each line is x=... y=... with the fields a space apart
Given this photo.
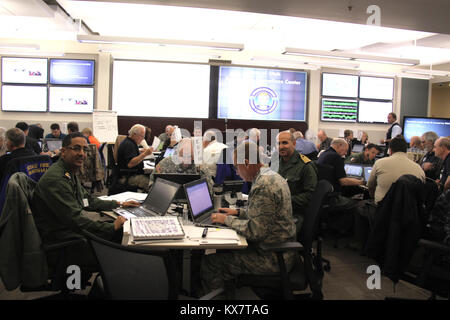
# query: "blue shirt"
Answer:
x=51 y=136
x=304 y=146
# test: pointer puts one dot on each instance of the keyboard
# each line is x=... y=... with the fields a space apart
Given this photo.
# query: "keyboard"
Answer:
x=140 y=212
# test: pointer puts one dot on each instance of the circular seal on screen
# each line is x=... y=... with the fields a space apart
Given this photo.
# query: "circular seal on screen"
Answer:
x=263 y=100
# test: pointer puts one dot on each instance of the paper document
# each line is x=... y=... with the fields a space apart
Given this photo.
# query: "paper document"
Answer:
x=195 y=233
x=156 y=142
x=124 y=196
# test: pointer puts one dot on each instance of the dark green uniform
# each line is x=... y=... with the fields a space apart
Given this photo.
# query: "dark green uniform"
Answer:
x=58 y=201
x=301 y=176
x=359 y=159
x=57 y=205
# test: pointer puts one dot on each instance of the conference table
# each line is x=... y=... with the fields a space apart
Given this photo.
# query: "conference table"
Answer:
x=187 y=250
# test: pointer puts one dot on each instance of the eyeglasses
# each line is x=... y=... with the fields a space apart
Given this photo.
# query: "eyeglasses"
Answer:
x=78 y=148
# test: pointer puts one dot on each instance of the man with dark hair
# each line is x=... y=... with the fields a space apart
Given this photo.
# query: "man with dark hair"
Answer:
x=394 y=130
x=56 y=132
x=72 y=127
x=384 y=173
x=351 y=140
x=30 y=143
x=15 y=144
x=59 y=200
x=367 y=156
x=387 y=170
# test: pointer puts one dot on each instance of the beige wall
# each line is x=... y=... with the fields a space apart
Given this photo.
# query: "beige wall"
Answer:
x=440 y=101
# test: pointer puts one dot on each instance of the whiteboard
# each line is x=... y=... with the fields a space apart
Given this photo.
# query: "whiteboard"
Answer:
x=105 y=125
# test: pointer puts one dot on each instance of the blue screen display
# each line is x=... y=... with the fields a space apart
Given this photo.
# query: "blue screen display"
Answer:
x=414 y=126
x=72 y=72
x=261 y=94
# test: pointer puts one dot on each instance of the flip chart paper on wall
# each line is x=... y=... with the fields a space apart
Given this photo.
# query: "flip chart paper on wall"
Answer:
x=105 y=125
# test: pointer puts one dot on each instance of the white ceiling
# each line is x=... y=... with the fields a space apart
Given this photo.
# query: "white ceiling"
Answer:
x=264 y=36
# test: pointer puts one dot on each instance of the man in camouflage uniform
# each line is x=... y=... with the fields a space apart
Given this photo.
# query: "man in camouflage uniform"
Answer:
x=182 y=162
x=299 y=172
x=59 y=200
x=267 y=219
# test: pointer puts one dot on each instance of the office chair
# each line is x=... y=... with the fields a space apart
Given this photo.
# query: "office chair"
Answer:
x=103 y=161
x=23 y=257
x=33 y=166
x=307 y=270
x=134 y=273
x=110 y=163
x=92 y=170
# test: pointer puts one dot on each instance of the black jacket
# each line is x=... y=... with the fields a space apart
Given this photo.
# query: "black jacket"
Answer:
x=399 y=223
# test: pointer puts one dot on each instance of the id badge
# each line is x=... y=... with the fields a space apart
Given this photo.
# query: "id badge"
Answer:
x=85 y=203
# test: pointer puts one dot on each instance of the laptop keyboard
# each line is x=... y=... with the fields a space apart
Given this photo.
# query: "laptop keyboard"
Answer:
x=139 y=212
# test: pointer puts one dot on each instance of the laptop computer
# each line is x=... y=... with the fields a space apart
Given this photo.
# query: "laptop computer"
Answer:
x=169 y=152
x=53 y=145
x=357 y=148
x=354 y=170
x=199 y=201
x=367 y=171
x=180 y=178
x=157 y=202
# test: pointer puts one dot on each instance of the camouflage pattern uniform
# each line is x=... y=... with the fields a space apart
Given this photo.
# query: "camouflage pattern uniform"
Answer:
x=301 y=176
x=168 y=166
x=267 y=219
x=359 y=159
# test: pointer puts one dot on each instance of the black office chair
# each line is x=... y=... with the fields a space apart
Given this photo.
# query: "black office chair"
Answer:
x=307 y=270
x=23 y=258
x=103 y=161
x=134 y=273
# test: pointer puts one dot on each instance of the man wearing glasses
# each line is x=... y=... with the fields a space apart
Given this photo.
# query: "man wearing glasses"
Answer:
x=59 y=200
x=129 y=157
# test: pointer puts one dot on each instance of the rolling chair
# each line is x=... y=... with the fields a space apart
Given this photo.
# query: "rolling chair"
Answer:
x=103 y=161
x=134 y=273
x=23 y=257
x=114 y=173
x=307 y=270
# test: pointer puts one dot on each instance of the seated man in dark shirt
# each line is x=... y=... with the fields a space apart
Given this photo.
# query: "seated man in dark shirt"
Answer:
x=30 y=143
x=334 y=157
x=430 y=163
x=442 y=150
x=56 y=132
x=129 y=157
x=15 y=144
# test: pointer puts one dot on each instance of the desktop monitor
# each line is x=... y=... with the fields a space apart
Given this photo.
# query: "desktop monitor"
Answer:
x=24 y=70
x=339 y=85
x=72 y=72
x=24 y=98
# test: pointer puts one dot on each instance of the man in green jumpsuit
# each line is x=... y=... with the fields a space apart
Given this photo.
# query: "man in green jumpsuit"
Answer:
x=59 y=200
x=300 y=174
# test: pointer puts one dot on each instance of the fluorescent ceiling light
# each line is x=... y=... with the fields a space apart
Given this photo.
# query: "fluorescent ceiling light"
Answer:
x=439 y=73
x=163 y=42
x=349 y=56
x=19 y=46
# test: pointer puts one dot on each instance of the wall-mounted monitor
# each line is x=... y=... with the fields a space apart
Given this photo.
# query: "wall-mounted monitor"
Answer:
x=24 y=98
x=71 y=99
x=261 y=94
x=24 y=70
x=417 y=126
x=376 y=88
x=339 y=85
x=339 y=110
x=160 y=89
x=72 y=72
x=374 y=111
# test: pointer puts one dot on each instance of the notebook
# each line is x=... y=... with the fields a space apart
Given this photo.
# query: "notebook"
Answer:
x=157 y=202
x=199 y=201
x=354 y=170
x=180 y=178
x=156 y=228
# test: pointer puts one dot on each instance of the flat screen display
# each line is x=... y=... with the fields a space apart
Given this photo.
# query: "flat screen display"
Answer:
x=416 y=126
x=376 y=88
x=24 y=98
x=374 y=111
x=339 y=85
x=158 y=89
x=71 y=99
x=339 y=110
x=261 y=94
x=24 y=70
x=72 y=72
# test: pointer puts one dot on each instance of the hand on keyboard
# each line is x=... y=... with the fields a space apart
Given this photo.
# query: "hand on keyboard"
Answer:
x=130 y=204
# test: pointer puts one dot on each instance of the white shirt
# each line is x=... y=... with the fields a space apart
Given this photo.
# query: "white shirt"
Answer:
x=211 y=155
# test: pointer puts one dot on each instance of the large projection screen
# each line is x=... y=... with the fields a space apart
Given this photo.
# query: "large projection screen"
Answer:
x=159 y=89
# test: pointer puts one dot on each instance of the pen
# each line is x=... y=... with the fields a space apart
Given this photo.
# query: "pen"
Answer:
x=205 y=232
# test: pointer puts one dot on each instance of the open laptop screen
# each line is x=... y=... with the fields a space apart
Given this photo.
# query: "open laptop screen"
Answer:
x=54 y=144
x=354 y=170
x=367 y=171
x=161 y=195
x=198 y=197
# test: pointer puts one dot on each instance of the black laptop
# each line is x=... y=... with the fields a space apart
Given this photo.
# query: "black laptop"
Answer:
x=180 y=178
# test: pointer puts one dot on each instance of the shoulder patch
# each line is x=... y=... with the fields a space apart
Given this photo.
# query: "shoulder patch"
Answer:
x=67 y=175
x=304 y=158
